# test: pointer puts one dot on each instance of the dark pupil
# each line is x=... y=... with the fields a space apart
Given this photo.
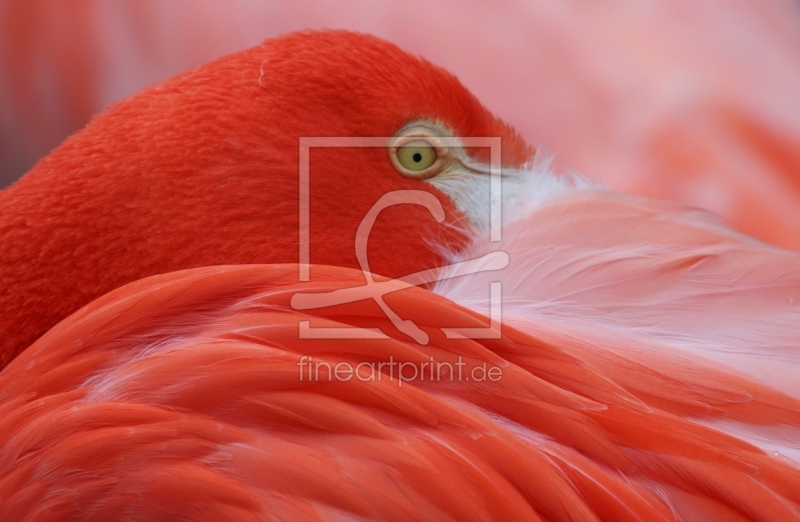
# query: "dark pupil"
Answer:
x=417 y=157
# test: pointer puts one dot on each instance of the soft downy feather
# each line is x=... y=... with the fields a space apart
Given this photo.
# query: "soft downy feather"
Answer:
x=674 y=306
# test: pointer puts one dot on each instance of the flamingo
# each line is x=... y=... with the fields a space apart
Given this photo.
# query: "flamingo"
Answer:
x=168 y=358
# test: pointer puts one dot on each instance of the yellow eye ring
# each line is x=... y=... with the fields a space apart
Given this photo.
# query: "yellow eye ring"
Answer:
x=416 y=153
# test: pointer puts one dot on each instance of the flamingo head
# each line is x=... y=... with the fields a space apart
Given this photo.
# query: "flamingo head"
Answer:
x=204 y=169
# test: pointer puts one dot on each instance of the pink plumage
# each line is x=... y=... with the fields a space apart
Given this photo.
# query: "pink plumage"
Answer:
x=641 y=369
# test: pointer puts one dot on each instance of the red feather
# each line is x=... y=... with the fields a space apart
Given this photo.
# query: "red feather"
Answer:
x=644 y=371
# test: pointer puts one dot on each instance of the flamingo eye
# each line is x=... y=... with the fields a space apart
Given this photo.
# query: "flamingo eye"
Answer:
x=418 y=150
x=416 y=155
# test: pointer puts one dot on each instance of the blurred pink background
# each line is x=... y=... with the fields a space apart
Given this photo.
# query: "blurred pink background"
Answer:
x=696 y=101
